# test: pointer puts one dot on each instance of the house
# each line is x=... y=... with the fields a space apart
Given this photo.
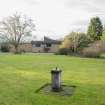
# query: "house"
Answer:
x=46 y=45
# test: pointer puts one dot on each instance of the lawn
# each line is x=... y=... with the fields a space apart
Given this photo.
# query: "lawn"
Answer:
x=21 y=75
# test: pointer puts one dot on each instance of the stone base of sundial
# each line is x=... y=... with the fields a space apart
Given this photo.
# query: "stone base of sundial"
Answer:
x=64 y=91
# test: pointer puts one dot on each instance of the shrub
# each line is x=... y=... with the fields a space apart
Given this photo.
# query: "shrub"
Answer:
x=91 y=52
x=5 y=48
x=100 y=45
x=63 y=51
x=95 y=49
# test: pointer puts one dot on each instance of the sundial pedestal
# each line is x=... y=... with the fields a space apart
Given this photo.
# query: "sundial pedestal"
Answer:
x=56 y=80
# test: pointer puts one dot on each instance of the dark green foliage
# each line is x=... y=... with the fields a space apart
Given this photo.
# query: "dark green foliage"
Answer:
x=83 y=41
x=95 y=28
x=103 y=33
x=63 y=51
x=5 y=48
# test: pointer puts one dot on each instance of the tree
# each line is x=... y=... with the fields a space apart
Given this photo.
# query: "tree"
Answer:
x=103 y=33
x=14 y=29
x=75 y=41
x=95 y=28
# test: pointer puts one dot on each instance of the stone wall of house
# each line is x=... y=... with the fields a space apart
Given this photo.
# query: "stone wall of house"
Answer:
x=38 y=49
x=28 y=47
x=54 y=48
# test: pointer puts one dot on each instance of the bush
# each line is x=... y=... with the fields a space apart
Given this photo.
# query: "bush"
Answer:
x=100 y=45
x=5 y=48
x=91 y=52
x=63 y=51
x=94 y=49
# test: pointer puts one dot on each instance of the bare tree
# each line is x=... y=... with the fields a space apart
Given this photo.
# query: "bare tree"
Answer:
x=14 y=29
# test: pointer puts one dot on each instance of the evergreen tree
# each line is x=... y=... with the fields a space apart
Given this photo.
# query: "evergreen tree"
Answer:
x=95 y=28
x=103 y=34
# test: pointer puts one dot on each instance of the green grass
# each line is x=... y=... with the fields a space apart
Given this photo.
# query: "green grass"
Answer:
x=21 y=75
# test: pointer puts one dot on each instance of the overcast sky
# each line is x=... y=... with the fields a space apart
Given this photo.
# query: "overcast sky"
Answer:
x=55 y=18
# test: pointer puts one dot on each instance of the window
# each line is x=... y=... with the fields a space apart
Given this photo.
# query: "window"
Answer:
x=48 y=45
x=38 y=45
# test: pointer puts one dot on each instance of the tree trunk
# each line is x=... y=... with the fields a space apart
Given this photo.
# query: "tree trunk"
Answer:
x=16 y=49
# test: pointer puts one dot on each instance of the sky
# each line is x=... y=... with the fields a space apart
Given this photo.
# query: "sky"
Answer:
x=55 y=18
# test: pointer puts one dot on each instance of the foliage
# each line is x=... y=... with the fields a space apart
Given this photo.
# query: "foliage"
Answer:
x=91 y=52
x=103 y=34
x=63 y=51
x=95 y=28
x=5 y=47
x=66 y=43
x=95 y=49
x=15 y=29
x=75 y=41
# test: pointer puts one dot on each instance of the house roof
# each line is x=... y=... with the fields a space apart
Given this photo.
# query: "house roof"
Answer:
x=46 y=40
